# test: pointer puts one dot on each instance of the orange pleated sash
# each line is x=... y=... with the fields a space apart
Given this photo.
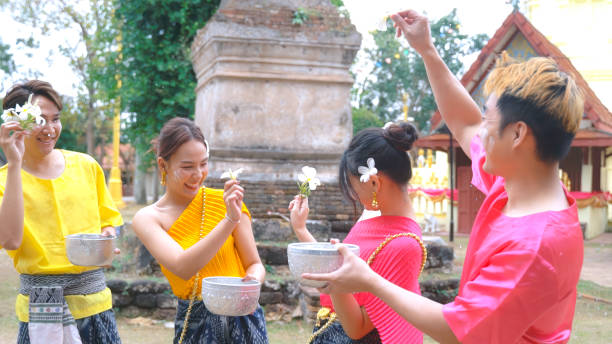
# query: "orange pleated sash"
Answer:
x=186 y=232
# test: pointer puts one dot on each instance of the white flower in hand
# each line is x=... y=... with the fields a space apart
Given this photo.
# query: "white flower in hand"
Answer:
x=9 y=115
x=308 y=180
x=22 y=112
x=366 y=172
x=26 y=115
x=310 y=176
x=232 y=174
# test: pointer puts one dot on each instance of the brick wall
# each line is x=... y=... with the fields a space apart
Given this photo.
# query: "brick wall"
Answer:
x=326 y=202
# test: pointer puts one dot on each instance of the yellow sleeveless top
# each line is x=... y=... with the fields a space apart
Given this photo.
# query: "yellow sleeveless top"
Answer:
x=186 y=232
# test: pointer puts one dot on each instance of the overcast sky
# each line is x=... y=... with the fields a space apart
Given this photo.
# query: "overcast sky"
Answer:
x=476 y=16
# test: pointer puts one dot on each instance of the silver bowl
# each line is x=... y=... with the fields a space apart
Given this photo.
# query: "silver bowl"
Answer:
x=230 y=296
x=315 y=257
x=89 y=249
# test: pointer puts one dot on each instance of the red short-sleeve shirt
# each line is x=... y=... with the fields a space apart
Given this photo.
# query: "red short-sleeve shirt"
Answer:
x=520 y=273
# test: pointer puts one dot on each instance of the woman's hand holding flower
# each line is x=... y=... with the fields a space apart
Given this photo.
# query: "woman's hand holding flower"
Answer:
x=298 y=209
x=233 y=194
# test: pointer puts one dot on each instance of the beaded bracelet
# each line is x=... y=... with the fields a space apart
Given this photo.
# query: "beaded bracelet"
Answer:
x=232 y=221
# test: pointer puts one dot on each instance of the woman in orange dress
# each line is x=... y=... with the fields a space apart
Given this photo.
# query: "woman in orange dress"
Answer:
x=196 y=232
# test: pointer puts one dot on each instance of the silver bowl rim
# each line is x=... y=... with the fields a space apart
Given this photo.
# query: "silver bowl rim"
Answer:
x=90 y=236
x=215 y=282
x=321 y=249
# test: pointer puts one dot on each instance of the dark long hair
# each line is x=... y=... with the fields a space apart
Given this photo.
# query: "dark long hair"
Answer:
x=388 y=146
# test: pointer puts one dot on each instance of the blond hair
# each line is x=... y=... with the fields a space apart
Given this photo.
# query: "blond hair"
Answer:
x=539 y=81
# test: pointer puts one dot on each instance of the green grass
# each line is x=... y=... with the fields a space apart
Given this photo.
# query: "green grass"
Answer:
x=592 y=323
x=296 y=331
x=594 y=289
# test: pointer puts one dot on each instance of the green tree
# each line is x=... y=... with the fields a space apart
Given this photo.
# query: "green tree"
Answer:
x=364 y=118
x=7 y=65
x=156 y=71
x=92 y=20
x=157 y=77
x=399 y=70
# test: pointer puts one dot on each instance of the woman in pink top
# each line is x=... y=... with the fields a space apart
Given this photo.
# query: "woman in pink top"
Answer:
x=374 y=171
x=524 y=257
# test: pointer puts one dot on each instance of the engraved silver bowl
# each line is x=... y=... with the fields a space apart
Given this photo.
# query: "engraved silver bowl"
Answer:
x=89 y=249
x=230 y=296
x=315 y=257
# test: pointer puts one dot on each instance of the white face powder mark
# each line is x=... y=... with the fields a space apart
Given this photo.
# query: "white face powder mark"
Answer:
x=176 y=176
x=484 y=136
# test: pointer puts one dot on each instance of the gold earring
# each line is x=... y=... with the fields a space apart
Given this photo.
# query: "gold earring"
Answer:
x=374 y=201
x=163 y=178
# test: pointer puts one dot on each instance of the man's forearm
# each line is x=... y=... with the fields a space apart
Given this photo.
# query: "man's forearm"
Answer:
x=456 y=106
x=422 y=313
x=11 y=210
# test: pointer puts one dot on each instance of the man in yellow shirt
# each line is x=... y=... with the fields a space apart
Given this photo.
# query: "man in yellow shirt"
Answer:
x=46 y=194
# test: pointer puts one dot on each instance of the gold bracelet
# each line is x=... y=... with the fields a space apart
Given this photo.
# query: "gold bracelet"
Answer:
x=232 y=221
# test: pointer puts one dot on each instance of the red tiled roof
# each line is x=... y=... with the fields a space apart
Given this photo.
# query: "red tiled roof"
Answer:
x=594 y=110
x=583 y=138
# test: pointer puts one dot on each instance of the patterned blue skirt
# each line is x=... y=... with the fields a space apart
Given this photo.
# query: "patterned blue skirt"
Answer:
x=205 y=327
x=335 y=334
x=99 y=328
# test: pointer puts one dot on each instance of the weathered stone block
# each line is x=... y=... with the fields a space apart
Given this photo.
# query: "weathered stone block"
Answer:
x=342 y=226
x=442 y=291
x=116 y=286
x=132 y=311
x=163 y=287
x=166 y=301
x=311 y=295
x=291 y=293
x=270 y=297
x=142 y=287
x=272 y=254
x=120 y=300
x=272 y=230
x=321 y=230
x=167 y=314
x=439 y=256
x=270 y=286
x=145 y=300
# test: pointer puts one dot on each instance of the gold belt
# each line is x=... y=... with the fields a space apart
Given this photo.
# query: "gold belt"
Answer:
x=324 y=314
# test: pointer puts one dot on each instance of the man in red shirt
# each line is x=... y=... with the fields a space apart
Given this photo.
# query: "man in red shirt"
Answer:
x=525 y=253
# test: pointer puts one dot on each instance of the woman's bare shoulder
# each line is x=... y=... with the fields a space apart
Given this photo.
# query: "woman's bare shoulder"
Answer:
x=146 y=217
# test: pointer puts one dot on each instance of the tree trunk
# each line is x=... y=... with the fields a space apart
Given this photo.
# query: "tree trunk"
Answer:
x=156 y=185
x=140 y=181
x=89 y=134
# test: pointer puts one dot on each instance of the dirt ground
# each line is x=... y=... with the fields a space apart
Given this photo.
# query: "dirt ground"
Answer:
x=591 y=323
x=597 y=266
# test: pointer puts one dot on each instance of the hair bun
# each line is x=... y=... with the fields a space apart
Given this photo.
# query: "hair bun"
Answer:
x=401 y=135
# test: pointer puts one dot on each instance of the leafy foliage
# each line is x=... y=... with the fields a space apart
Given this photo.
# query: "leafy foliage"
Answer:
x=7 y=65
x=399 y=70
x=364 y=118
x=92 y=21
x=158 y=81
x=300 y=16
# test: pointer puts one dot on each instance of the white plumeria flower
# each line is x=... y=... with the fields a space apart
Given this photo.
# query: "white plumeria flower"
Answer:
x=26 y=114
x=9 y=115
x=366 y=172
x=207 y=148
x=22 y=112
x=232 y=174
x=310 y=176
x=387 y=125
